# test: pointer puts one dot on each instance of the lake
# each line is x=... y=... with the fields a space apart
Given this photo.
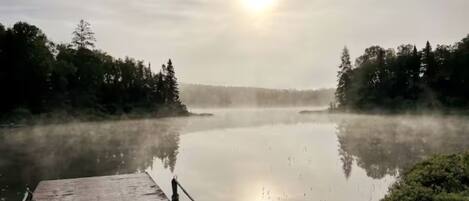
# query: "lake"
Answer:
x=237 y=154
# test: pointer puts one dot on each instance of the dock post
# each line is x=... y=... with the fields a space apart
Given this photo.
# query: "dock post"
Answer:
x=28 y=195
x=174 y=185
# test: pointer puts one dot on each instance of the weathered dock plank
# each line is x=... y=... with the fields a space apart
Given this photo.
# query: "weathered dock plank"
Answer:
x=130 y=187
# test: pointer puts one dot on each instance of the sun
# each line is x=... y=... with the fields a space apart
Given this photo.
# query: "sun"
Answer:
x=258 y=5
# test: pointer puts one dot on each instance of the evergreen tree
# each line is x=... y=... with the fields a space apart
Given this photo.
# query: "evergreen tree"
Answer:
x=429 y=77
x=83 y=36
x=172 y=91
x=415 y=87
x=345 y=68
x=429 y=66
x=159 y=87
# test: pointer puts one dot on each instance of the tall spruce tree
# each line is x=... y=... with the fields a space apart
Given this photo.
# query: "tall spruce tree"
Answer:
x=415 y=82
x=429 y=65
x=171 y=83
x=345 y=68
x=429 y=78
x=83 y=36
x=159 y=88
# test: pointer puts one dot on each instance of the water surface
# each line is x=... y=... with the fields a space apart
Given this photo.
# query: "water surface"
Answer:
x=237 y=154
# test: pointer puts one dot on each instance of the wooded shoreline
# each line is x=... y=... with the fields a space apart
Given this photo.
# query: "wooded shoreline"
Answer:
x=39 y=78
x=60 y=117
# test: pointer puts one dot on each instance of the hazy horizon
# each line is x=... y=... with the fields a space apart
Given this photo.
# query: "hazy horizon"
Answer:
x=255 y=87
x=275 y=44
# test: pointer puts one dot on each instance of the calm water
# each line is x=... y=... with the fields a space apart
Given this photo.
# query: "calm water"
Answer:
x=236 y=155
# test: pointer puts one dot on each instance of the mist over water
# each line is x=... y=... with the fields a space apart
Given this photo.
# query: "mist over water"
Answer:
x=237 y=154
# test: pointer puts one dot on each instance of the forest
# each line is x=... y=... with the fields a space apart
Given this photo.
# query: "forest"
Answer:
x=38 y=76
x=405 y=80
x=196 y=95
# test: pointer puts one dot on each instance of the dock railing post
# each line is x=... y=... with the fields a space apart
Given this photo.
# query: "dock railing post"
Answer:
x=28 y=195
x=174 y=185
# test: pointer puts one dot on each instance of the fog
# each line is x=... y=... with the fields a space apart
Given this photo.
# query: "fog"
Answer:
x=259 y=79
x=206 y=96
x=255 y=153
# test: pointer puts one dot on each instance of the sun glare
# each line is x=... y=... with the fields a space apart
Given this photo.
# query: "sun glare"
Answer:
x=258 y=5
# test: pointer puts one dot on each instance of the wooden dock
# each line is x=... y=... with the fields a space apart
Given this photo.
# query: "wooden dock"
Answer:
x=130 y=187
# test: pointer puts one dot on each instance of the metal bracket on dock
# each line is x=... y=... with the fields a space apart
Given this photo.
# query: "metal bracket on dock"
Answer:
x=174 y=185
x=28 y=195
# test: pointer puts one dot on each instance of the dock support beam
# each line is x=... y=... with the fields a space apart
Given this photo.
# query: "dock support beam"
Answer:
x=174 y=185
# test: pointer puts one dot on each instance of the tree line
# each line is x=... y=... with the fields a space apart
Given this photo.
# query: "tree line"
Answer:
x=39 y=76
x=406 y=79
x=222 y=96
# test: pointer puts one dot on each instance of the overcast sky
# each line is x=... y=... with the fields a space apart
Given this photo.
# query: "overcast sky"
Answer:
x=286 y=44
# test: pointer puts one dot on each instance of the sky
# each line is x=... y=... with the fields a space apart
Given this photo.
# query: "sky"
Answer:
x=288 y=44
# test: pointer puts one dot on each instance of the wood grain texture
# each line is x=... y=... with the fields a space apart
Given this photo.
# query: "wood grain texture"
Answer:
x=130 y=187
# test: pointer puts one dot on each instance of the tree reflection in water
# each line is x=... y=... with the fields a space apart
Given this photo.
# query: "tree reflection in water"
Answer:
x=29 y=155
x=380 y=145
x=387 y=145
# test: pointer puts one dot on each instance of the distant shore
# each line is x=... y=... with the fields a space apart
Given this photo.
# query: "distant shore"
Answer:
x=442 y=112
x=60 y=117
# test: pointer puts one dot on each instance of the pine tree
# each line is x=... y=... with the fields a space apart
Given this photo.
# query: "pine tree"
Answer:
x=158 y=88
x=415 y=81
x=343 y=75
x=171 y=83
x=83 y=37
x=429 y=78
x=416 y=63
x=428 y=65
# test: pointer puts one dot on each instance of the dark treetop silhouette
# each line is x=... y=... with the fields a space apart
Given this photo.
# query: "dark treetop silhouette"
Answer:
x=407 y=80
x=39 y=76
